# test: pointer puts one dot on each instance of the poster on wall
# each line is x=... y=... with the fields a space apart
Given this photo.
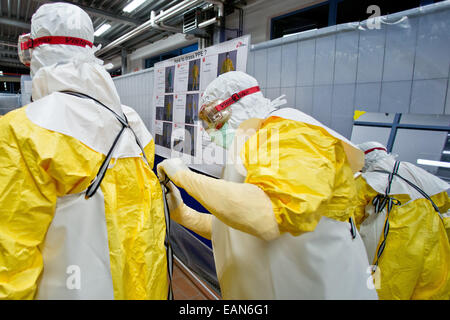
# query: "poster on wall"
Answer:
x=178 y=86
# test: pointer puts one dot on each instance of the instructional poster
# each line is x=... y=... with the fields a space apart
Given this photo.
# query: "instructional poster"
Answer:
x=178 y=86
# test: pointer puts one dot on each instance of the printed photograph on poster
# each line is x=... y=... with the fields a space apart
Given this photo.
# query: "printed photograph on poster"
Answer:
x=167 y=135
x=159 y=113
x=168 y=108
x=169 y=79
x=159 y=132
x=191 y=108
x=190 y=140
x=194 y=75
x=227 y=62
x=178 y=136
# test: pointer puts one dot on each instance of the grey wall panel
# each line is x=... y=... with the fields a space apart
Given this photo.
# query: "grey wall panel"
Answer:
x=290 y=96
x=395 y=96
x=322 y=98
x=251 y=63
x=433 y=46
x=343 y=98
x=261 y=67
x=367 y=96
x=371 y=55
x=324 y=64
x=447 y=104
x=304 y=99
x=346 y=58
x=288 y=65
x=400 y=51
x=403 y=66
x=274 y=67
x=429 y=96
x=305 y=62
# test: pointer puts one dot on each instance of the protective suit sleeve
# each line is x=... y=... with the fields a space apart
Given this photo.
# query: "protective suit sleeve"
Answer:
x=32 y=175
x=200 y=223
x=149 y=150
x=242 y=206
x=365 y=194
x=442 y=200
x=298 y=166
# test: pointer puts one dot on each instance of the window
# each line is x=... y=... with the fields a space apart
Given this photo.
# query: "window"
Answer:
x=150 y=62
x=356 y=10
x=333 y=12
x=302 y=20
x=423 y=140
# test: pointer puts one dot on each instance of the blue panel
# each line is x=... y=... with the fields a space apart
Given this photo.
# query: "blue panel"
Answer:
x=395 y=96
x=433 y=46
x=274 y=67
x=346 y=57
x=367 y=97
x=324 y=65
x=371 y=53
x=428 y=96
x=400 y=51
x=289 y=56
x=305 y=62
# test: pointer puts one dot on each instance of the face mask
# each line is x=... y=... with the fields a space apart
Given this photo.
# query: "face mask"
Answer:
x=222 y=137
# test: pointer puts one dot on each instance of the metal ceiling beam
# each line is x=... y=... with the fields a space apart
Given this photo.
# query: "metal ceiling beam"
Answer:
x=100 y=13
x=11 y=52
x=15 y=23
x=9 y=60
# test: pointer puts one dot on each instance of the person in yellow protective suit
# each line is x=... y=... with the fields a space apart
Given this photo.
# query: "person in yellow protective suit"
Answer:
x=81 y=212
x=227 y=64
x=281 y=223
x=195 y=74
x=168 y=111
x=402 y=229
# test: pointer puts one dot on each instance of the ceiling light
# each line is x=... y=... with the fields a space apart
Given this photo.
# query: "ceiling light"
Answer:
x=433 y=163
x=102 y=29
x=133 y=5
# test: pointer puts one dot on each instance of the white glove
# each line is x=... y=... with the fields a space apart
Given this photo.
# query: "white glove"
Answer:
x=170 y=167
x=198 y=222
x=174 y=199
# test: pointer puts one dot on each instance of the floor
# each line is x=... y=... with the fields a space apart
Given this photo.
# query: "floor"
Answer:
x=185 y=288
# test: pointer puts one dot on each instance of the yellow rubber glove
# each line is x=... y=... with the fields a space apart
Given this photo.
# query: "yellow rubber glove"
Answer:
x=242 y=206
x=200 y=223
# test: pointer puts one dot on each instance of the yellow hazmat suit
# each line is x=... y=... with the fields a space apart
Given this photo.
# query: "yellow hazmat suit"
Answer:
x=55 y=243
x=227 y=66
x=195 y=73
x=280 y=223
x=415 y=262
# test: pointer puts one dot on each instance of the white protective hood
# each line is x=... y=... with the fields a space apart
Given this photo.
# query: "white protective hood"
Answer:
x=65 y=67
x=381 y=160
x=254 y=105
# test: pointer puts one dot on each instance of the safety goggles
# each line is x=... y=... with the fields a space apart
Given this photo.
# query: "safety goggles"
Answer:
x=26 y=44
x=215 y=114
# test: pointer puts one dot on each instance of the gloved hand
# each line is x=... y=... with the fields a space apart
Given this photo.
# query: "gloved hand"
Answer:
x=174 y=200
x=198 y=222
x=170 y=167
